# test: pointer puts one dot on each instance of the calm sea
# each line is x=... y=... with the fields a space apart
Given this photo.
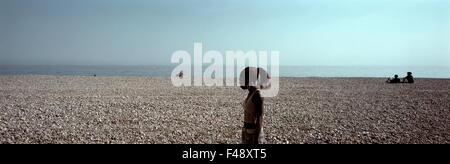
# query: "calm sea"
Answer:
x=285 y=71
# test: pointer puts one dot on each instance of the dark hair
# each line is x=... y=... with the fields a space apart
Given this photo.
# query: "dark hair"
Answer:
x=254 y=76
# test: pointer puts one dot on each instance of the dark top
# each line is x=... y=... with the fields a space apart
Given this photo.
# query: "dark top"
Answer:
x=394 y=80
x=409 y=79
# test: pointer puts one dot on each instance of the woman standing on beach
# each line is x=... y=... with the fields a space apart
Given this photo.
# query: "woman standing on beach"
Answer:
x=253 y=79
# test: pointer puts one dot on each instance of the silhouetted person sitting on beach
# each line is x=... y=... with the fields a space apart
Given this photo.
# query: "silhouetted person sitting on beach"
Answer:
x=409 y=78
x=180 y=75
x=394 y=80
x=253 y=79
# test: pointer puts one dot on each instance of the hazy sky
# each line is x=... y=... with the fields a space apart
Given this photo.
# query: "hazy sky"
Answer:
x=308 y=32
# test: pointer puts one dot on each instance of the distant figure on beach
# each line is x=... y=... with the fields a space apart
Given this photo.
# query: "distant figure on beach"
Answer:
x=180 y=75
x=253 y=79
x=393 y=80
x=95 y=75
x=409 y=78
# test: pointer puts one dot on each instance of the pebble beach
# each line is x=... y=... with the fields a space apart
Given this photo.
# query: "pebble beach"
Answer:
x=118 y=109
